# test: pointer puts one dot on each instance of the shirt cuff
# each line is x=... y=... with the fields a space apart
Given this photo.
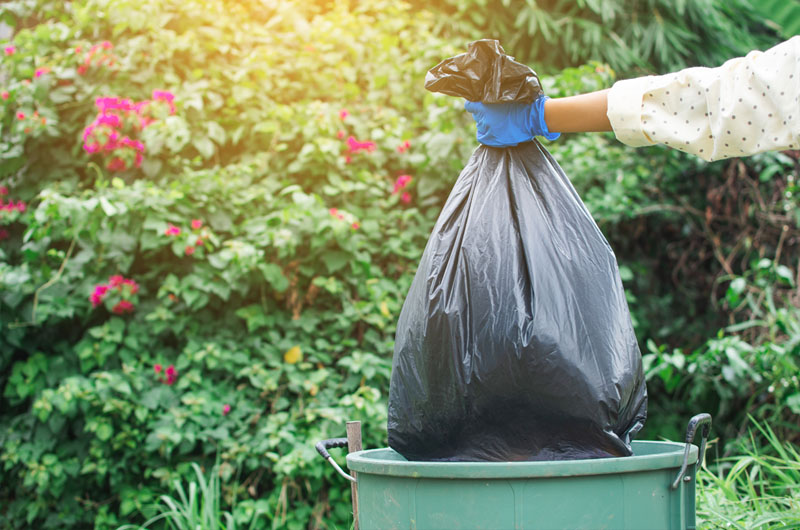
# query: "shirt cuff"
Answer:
x=625 y=111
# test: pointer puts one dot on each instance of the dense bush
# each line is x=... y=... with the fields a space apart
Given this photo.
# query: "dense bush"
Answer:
x=212 y=212
x=631 y=35
x=216 y=238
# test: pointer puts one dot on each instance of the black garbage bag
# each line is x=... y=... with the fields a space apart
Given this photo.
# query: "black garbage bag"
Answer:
x=514 y=341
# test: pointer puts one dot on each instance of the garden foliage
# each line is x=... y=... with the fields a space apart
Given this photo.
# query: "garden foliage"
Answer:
x=631 y=35
x=211 y=212
x=215 y=214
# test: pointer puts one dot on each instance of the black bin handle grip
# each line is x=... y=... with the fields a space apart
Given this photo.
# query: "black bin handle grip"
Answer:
x=322 y=448
x=332 y=443
x=703 y=419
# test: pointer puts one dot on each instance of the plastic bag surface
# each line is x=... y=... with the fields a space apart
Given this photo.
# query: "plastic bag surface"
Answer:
x=484 y=73
x=515 y=341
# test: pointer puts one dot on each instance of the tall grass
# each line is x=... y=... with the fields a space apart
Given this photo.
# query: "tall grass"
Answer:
x=757 y=489
x=196 y=507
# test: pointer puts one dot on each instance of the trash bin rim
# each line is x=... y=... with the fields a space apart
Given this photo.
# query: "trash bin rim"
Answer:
x=648 y=455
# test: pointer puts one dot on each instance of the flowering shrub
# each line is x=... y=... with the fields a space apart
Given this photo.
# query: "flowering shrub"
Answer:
x=194 y=265
x=104 y=134
x=118 y=294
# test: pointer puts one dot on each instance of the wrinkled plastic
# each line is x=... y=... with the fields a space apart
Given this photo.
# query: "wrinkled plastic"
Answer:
x=485 y=73
x=515 y=341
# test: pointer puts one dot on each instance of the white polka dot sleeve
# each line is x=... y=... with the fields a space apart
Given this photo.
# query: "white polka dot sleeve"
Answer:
x=748 y=105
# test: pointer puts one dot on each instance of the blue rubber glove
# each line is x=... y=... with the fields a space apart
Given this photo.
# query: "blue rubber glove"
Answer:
x=509 y=124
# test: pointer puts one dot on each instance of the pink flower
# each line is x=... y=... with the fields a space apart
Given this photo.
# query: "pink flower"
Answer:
x=157 y=368
x=333 y=211
x=122 y=307
x=189 y=250
x=340 y=134
x=197 y=224
x=92 y=148
x=166 y=96
x=82 y=69
x=199 y=242
x=356 y=226
x=4 y=94
x=99 y=293
x=10 y=50
x=115 y=281
x=110 y=120
x=3 y=190
x=172 y=230
x=406 y=197
x=134 y=144
x=78 y=49
x=20 y=115
x=171 y=374
x=226 y=409
x=405 y=146
x=401 y=182
x=106 y=45
x=348 y=159
x=10 y=206
x=354 y=146
x=343 y=114
x=116 y=164
x=132 y=284
x=41 y=71
x=163 y=95
x=113 y=103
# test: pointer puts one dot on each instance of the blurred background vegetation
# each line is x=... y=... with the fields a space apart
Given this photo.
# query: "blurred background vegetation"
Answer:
x=271 y=233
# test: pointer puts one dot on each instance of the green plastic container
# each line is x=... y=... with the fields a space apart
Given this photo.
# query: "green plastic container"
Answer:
x=634 y=492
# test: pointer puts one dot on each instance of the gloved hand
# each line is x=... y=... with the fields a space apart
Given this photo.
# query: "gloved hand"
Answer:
x=509 y=124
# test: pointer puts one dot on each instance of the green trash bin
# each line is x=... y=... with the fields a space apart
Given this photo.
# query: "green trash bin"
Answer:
x=653 y=489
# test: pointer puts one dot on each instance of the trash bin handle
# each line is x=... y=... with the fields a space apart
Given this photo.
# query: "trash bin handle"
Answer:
x=703 y=419
x=322 y=449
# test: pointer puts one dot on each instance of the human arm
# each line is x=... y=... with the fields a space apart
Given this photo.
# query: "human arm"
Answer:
x=748 y=105
x=581 y=113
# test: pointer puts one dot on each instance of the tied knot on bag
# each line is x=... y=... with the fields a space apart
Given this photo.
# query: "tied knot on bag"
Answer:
x=485 y=73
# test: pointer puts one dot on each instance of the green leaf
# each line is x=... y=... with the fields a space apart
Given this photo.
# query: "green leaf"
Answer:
x=735 y=290
x=793 y=402
x=785 y=274
x=215 y=132
x=335 y=260
x=274 y=276
x=154 y=397
x=104 y=431
x=220 y=220
x=108 y=208
x=220 y=260
x=152 y=166
x=204 y=146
